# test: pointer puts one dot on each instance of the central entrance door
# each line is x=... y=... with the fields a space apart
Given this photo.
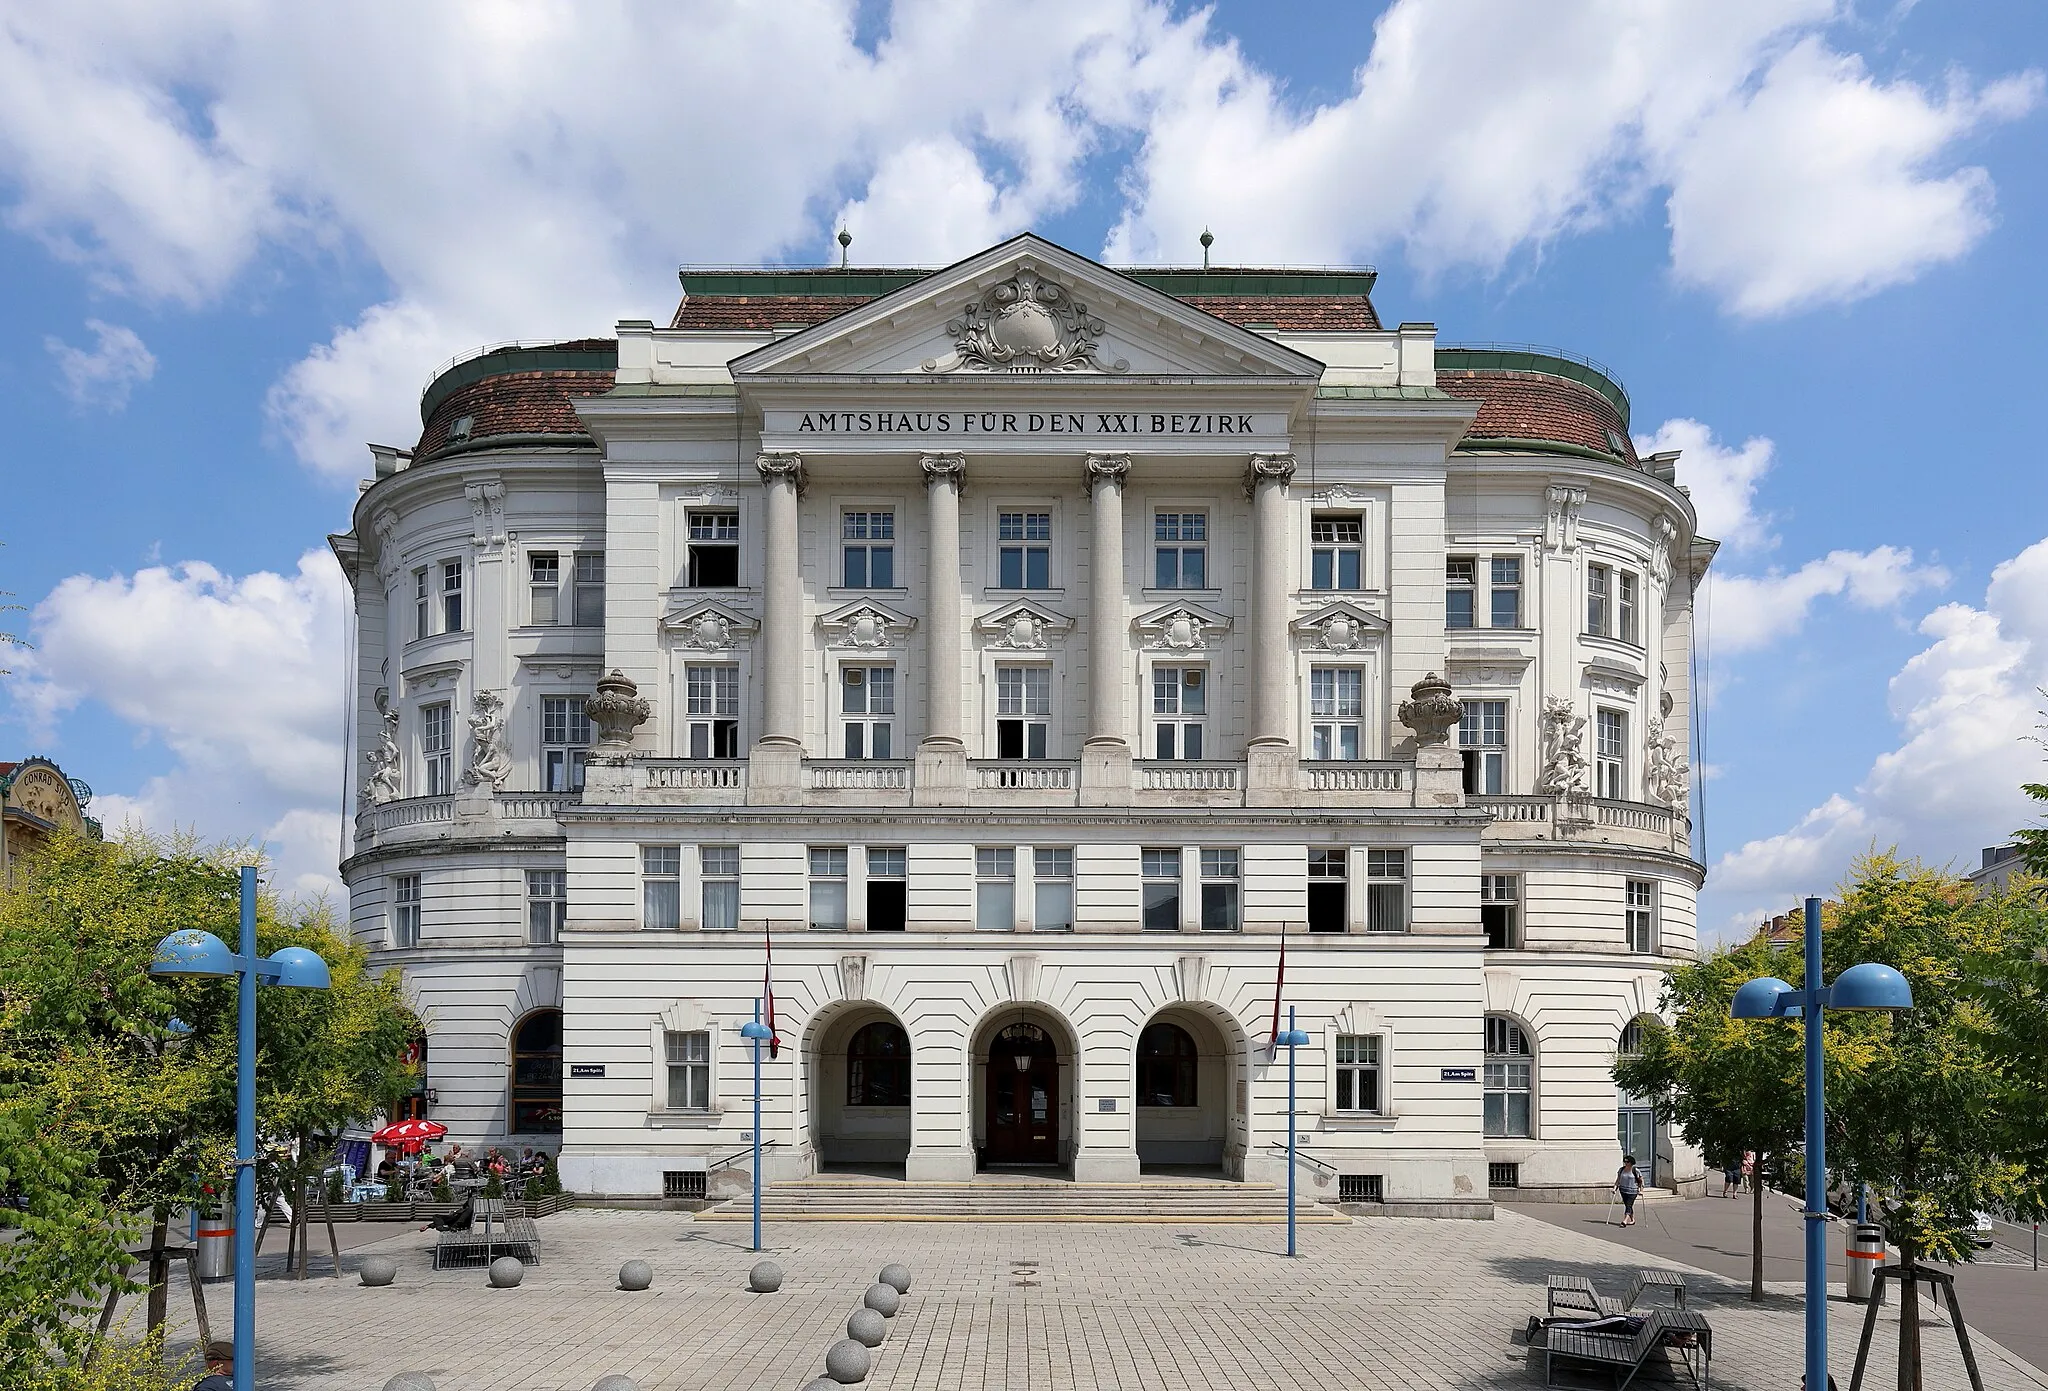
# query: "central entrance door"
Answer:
x=1023 y=1097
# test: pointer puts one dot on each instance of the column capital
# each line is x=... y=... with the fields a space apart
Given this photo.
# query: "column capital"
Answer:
x=943 y=468
x=788 y=466
x=1268 y=468
x=1107 y=468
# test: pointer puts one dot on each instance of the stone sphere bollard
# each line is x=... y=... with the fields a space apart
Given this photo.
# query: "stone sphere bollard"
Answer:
x=506 y=1273
x=635 y=1275
x=615 y=1382
x=883 y=1299
x=821 y=1384
x=847 y=1362
x=896 y=1276
x=410 y=1381
x=765 y=1277
x=867 y=1328
x=378 y=1270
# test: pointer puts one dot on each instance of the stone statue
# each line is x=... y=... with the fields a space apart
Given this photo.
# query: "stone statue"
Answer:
x=490 y=761
x=1667 y=776
x=384 y=783
x=1564 y=750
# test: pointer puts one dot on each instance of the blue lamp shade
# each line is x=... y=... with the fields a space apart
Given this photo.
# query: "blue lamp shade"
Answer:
x=1758 y=999
x=296 y=966
x=1870 y=986
x=755 y=1029
x=1292 y=1038
x=192 y=953
x=178 y=1028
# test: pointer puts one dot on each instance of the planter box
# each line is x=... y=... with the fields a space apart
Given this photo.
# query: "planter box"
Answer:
x=333 y=1212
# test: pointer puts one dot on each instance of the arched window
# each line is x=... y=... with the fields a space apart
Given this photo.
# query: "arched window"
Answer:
x=1508 y=1068
x=537 y=1074
x=878 y=1066
x=1166 y=1066
x=1631 y=1044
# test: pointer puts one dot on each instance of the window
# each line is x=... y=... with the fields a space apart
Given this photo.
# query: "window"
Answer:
x=1167 y=1065
x=537 y=1074
x=1161 y=870
x=590 y=589
x=689 y=1068
x=1358 y=1073
x=1625 y=606
x=867 y=698
x=451 y=596
x=437 y=748
x=1386 y=891
x=878 y=1066
x=1483 y=740
x=868 y=550
x=1180 y=699
x=828 y=889
x=995 y=889
x=1326 y=898
x=711 y=697
x=1610 y=754
x=1500 y=904
x=405 y=910
x=1631 y=1044
x=1052 y=890
x=683 y=1183
x=1219 y=891
x=1180 y=551
x=1335 y=552
x=1599 y=588
x=714 y=550
x=1024 y=550
x=1506 y=1084
x=1503 y=1175
x=1336 y=703
x=544 y=578
x=564 y=738
x=421 y=621
x=1023 y=705
x=547 y=905
x=1361 y=1188
x=1461 y=587
x=888 y=892
x=1642 y=915
x=1505 y=595
x=721 y=885
x=661 y=887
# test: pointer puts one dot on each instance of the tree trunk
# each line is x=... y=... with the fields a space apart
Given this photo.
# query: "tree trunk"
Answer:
x=1756 y=1230
x=159 y=1271
x=1909 y=1325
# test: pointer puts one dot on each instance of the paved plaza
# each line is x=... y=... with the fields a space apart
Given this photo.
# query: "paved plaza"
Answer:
x=1379 y=1302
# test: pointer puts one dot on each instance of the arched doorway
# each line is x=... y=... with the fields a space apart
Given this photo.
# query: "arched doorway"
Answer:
x=537 y=1074
x=861 y=1091
x=1185 y=1093
x=1024 y=1077
x=1635 y=1123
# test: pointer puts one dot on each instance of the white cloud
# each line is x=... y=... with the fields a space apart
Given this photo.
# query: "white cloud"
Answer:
x=1965 y=706
x=239 y=678
x=1723 y=481
x=1747 y=612
x=105 y=374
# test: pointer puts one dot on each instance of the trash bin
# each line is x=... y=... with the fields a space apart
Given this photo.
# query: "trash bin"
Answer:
x=216 y=1247
x=1866 y=1253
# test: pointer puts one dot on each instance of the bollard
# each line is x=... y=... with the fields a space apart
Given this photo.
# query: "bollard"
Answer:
x=867 y=1328
x=1865 y=1254
x=765 y=1277
x=616 y=1382
x=847 y=1362
x=896 y=1276
x=883 y=1299
x=378 y=1270
x=506 y=1273
x=410 y=1381
x=635 y=1275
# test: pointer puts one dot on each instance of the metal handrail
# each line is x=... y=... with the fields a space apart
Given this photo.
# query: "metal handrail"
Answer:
x=1299 y=1154
x=747 y=1148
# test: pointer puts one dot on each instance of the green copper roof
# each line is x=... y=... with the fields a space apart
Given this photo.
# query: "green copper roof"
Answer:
x=1524 y=357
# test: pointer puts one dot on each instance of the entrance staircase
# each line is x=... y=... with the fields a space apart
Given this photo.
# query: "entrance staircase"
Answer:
x=1008 y=1198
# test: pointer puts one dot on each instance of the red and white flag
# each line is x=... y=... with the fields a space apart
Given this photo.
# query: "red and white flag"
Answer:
x=1279 y=980
x=768 y=990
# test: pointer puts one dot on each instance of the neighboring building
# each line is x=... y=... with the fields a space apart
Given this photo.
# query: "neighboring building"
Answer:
x=1024 y=647
x=2000 y=863
x=36 y=802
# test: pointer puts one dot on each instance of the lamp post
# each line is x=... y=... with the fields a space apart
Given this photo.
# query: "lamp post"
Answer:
x=193 y=952
x=1291 y=1039
x=1865 y=986
x=756 y=1033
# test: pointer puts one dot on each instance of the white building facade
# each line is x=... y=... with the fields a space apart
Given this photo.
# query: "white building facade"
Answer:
x=1023 y=651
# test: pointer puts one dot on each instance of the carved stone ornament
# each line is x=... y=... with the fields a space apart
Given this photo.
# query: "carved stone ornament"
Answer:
x=944 y=468
x=1112 y=469
x=385 y=523
x=1022 y=628
x=1561 y=517
x=1667 y=776
x=1432 y=710
x=1268 y=468
x=853 y=977
x=866 y=626
x=708 y=628
x=1338 y=495
x=1564 y=750
x=487 y=514
x=1661 y=548
x=617 y=710
x=384 y=782
x=710 y=493
x=787 y=467
x=490 y=758
x=1181 y=630
x=1025 y=324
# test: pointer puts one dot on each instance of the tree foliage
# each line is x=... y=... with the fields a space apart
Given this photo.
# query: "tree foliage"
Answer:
x=2010 y=986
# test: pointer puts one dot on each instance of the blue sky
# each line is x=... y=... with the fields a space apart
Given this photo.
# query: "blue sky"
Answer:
x=1804 y=235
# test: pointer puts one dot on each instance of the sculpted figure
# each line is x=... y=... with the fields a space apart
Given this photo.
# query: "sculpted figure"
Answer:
x=1564 y=750
x=489 y=760
x=384 y=782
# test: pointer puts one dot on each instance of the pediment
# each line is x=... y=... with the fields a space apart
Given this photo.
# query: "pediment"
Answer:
x=1180 y=627
x=708 y=626
x=1027 y=308
x=1339 y=627
x=1022 y=626
x=864 y=623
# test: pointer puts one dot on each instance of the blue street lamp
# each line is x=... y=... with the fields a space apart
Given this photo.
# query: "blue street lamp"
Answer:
x=1291 y=1039
x=756 y=1033
x=1867 y=986
x=196 y=953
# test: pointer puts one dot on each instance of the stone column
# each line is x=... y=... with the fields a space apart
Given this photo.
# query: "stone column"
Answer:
x=940 y=778
x=775 y=767
x=1106 y=757
x=1270 y=754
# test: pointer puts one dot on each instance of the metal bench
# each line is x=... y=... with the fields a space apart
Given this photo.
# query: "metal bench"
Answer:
x=1657 y=1280
x=1574 y=1294
x=1622 y=1354
x=492 y=1232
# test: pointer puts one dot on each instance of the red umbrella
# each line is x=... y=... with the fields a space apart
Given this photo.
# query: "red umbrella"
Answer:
x=410 y=1135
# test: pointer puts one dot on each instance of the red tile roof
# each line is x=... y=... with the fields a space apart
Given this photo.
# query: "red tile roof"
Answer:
x=516 y=403
x=1534 y=405
x=763 y=313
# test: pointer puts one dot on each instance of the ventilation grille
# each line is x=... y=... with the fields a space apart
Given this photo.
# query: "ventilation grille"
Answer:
x=1361 y=1188
x=682 y=1183
x=1503 y=1176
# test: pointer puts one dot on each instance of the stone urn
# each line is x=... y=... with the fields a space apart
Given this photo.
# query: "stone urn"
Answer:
x=1431 y=710
x=617 y=710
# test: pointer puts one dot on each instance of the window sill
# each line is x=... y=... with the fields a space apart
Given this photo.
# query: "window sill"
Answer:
x=685 y=1120
x=994 y=591
x=1359 y=1122
x=1167 y=595
x=841 y=592
x=1633 y=649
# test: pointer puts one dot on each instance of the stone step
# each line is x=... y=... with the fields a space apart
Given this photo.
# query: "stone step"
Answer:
x=830 y=1199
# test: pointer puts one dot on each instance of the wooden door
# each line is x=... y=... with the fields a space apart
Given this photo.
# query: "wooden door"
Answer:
x=1022 y=1088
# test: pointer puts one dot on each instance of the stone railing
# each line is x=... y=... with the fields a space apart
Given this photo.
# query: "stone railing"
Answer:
x=1633 y=816
x=852 y=775
x=1163 y=776
x=406 y=811
x=1513 y=808
x=1030 y=776
x=1644 y=824
x=694 y=775
x=1357 y=777
x=534 y=806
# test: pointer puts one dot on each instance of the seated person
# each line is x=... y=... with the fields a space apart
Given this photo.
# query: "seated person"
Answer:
x=387 y=1171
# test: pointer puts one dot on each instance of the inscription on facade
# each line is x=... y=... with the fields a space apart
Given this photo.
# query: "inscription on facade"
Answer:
x=1121 y=424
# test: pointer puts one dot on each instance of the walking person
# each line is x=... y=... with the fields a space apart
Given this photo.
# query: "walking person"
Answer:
x=1731 y=1179
x=1629 y=1184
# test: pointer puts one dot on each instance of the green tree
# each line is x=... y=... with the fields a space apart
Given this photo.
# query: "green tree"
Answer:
x=1728 y=1086
x=2009 y=983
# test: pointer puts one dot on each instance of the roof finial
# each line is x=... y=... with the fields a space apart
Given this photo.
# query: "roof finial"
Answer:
x=1207 y=242
x=845 y=240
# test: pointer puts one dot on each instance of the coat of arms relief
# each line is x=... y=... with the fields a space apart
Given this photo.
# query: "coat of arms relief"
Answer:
x=1025 y=324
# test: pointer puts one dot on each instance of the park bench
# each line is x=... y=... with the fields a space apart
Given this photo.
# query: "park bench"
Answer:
x=1621 y=1352
x=1575 y=1293
x=492 y=1232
